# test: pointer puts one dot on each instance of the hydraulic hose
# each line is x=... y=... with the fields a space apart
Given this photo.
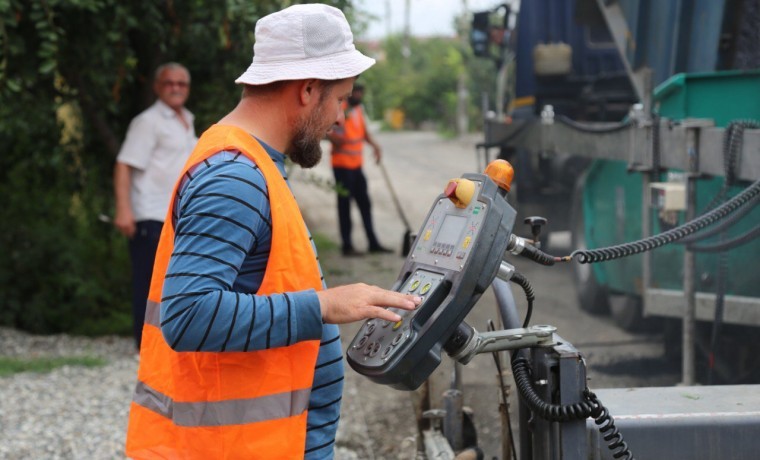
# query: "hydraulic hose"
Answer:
x=720 y=294
x=578 y=126
x=735 y=242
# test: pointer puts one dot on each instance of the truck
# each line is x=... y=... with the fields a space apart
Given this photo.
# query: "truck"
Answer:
x=628 y=119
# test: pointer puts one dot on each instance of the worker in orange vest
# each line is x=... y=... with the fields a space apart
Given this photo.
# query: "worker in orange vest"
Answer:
x=241 y=355
x=347 y=157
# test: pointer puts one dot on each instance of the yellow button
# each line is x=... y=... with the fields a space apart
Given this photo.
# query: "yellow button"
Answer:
x=415 y=284
x=425 y=288
x=398 y=324
x=427 y=235
x=466 y=242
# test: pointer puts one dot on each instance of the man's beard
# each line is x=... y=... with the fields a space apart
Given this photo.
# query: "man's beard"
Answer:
x=306 y=150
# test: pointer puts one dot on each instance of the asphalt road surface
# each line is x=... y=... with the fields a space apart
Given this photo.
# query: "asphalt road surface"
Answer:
x=378 y=422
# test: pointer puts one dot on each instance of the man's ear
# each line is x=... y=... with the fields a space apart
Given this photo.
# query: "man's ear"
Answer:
x=308 y=91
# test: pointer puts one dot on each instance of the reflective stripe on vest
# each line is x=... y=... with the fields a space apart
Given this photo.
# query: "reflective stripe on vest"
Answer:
x=220 y=413
x=349 y=153
x=246 y=405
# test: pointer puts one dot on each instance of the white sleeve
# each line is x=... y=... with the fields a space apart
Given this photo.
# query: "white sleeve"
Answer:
x=139 y=143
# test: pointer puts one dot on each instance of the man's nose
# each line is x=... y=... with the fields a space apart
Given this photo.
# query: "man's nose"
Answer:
x=341 y=118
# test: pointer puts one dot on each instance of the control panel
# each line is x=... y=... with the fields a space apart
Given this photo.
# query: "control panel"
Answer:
x=453 y=260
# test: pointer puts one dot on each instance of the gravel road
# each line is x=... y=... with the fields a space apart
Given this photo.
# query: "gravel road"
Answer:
x=81 y=413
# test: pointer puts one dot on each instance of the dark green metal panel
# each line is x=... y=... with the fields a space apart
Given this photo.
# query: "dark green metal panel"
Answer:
x=742 y=261
x=720 y=96
x=612 y=210
x=612 y=196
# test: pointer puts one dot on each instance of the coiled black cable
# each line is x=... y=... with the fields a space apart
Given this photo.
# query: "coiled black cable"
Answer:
x=522 y=281
x=548 y=411
x=733 y=139
x=724 y=224
x=586 y=256
x=732 y=145
x=656 y=148
x=610 y=432
x=589 y=407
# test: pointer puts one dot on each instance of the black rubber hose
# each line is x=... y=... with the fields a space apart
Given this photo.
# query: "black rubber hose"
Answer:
x=537 y=255
x=726 y=245
x=587 y=128
x=523 y=282
x=720 y=295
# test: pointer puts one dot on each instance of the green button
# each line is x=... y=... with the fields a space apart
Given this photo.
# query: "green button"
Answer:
x=415 y=284
x=425 y=288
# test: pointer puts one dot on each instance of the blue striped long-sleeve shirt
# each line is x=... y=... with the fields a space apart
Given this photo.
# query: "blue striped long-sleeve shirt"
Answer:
x=222 y=240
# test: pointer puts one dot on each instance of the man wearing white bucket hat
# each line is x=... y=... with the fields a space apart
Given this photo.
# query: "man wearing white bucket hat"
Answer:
x=241 y=356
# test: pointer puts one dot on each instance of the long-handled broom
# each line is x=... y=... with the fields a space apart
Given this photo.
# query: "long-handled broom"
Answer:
x=408 y=238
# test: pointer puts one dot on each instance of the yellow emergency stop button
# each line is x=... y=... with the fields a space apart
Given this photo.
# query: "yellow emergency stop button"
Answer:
x=460 y=192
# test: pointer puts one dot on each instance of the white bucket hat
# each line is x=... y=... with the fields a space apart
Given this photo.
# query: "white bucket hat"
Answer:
x=304 y=41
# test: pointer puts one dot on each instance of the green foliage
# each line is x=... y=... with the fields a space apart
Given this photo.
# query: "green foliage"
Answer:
x=324 y=244
x=73 y=73
x=423 y=82
x=10 y=366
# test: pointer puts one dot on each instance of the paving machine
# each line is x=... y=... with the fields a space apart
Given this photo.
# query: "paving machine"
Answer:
x=464 y=246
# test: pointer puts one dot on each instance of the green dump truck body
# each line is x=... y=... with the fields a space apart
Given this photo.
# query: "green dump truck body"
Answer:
x=612 y=198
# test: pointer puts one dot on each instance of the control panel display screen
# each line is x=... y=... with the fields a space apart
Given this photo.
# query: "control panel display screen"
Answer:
x=451 y=229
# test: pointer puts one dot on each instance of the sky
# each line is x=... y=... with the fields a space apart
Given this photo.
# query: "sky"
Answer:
x=426 y=17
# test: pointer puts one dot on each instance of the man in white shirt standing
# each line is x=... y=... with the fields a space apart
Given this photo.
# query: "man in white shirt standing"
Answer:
x=158 y=142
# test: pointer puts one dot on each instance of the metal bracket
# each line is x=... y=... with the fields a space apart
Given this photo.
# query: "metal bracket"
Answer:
x=505 y=340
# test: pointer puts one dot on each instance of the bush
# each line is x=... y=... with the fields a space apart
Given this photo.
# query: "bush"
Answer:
x=72 y=75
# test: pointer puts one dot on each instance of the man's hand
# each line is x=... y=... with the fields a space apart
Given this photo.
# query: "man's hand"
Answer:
x=125 y=222
x=378 y=153
x=355 y=302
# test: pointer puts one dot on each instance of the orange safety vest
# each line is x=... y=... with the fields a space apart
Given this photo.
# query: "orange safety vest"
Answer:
x=231 y=405
x=348 y=154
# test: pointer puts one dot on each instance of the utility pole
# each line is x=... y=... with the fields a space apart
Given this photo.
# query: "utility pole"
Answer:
x=406 y=50
x=463 y=96
x=387 y=18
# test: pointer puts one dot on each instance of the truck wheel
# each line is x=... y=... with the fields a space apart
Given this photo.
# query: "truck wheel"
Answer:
x=672 y=339
x=592 y=296
x=628 y=313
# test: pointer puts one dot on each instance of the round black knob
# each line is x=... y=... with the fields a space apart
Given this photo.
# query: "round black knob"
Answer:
x=536 y=222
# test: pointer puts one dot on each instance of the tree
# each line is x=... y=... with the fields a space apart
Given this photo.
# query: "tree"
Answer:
x=72 y=75
x=424 y=83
